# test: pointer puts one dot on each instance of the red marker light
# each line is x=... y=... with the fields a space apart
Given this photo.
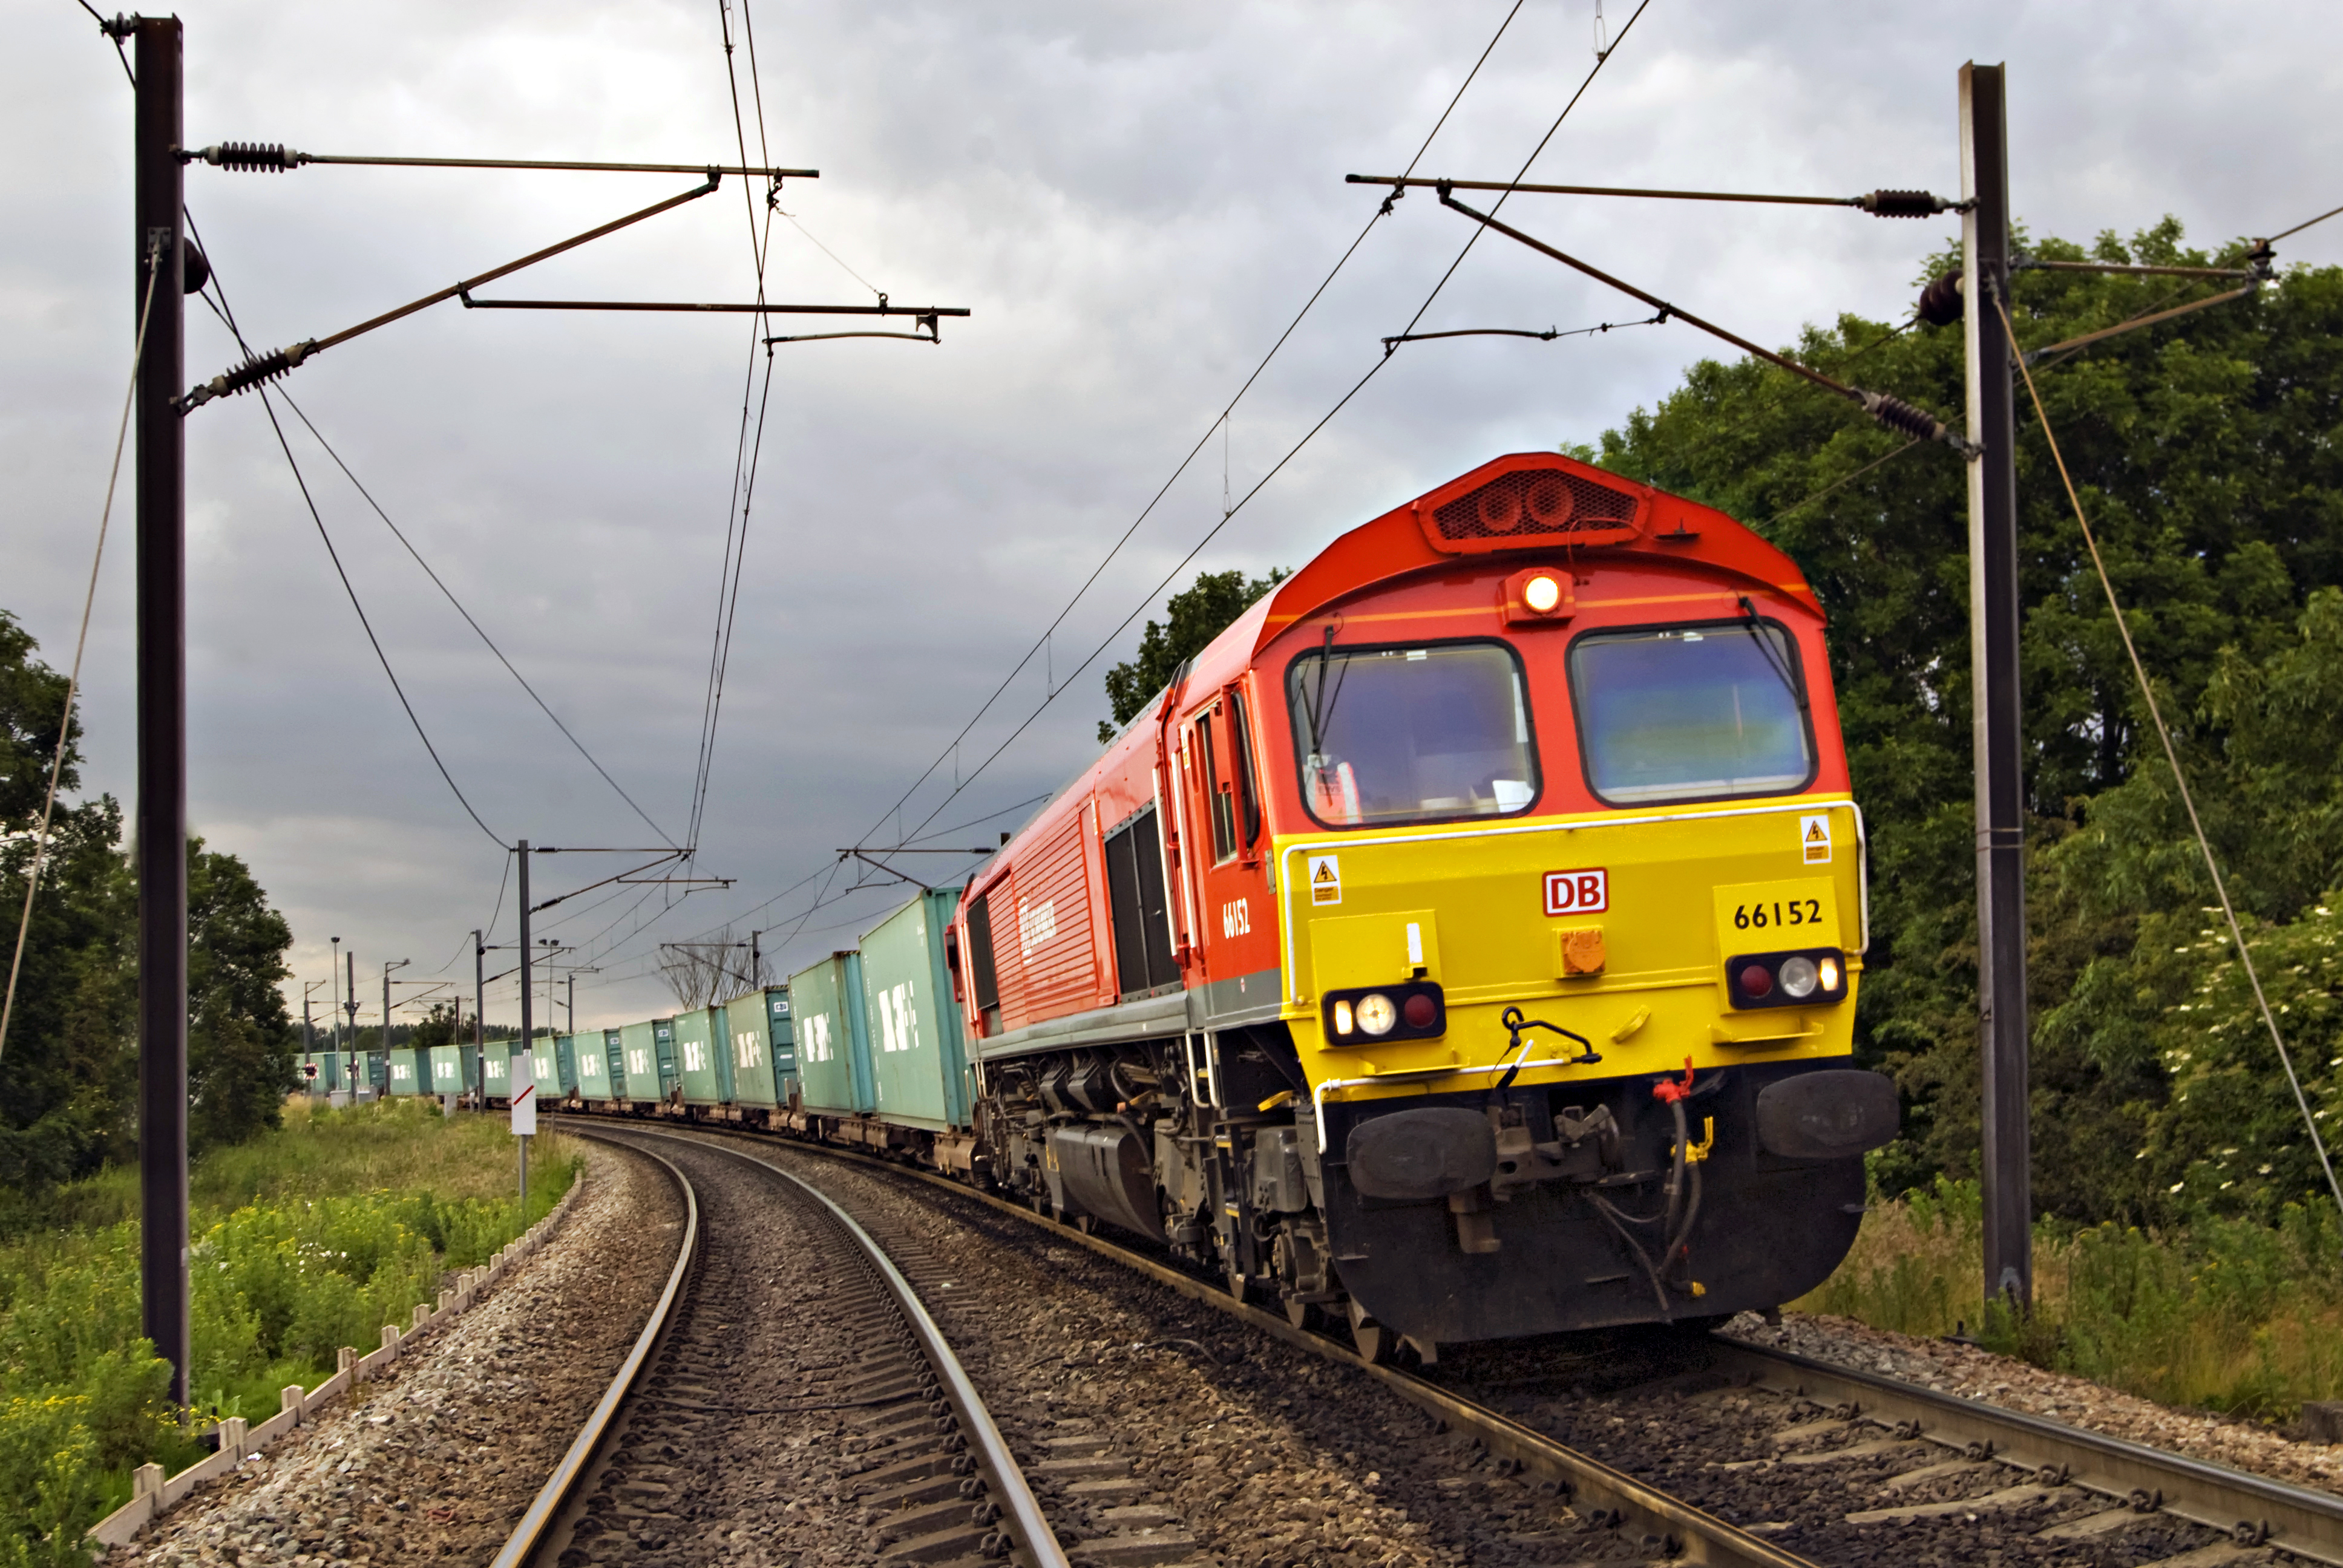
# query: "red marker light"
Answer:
x=1419 y=1011
x=1756 y=981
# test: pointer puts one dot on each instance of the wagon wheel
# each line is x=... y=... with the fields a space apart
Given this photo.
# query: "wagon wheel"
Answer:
x=1297 y=1311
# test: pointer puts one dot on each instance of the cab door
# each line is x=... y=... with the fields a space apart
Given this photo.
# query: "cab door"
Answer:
x=1226 y=847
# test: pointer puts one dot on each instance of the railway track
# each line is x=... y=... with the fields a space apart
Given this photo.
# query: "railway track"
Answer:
x=731 y=1425
x=1771 y=1458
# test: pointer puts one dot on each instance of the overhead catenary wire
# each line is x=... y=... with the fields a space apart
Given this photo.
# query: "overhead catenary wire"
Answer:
x=490 y=642
x=81 y=641
x=745 y=458
x=268 y=404
x=2172 y=756
x=121 y=53
x=1218 y=423
x=221 y=308
x=1372 y=370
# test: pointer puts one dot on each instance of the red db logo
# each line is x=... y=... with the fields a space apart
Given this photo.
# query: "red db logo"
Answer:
x=1577 y=892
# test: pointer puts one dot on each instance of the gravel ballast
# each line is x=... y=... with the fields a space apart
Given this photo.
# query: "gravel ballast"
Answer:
x=438 y=1461
x=1980 y=1374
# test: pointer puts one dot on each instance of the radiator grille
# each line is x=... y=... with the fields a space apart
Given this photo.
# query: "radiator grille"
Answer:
x=1535 y=506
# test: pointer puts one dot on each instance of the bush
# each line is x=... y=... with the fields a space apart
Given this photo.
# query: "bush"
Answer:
x=2220 y=1313
x=304 y=1240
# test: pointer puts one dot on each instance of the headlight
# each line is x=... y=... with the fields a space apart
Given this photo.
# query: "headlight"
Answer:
x=1799 y=977
x=1344 y=1021
x=1542 y=593
x=1376 y=1013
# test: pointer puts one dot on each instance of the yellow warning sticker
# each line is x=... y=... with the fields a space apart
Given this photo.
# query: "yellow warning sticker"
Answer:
x=1815 y=840
x=1325 y=880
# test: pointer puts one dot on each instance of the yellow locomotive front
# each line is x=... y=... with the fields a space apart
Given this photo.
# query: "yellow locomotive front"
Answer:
x=1570 y=915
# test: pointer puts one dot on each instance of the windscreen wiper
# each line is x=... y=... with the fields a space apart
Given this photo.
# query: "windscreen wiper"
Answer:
x=1756 y=628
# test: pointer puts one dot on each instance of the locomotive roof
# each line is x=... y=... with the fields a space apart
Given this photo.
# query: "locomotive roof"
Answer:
x=1413 y=537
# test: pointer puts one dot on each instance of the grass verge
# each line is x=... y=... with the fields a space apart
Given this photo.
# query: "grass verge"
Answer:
x=305 y=1240
x=2225 y=1316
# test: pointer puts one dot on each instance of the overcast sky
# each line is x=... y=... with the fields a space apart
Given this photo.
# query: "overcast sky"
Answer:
x=1133 y=200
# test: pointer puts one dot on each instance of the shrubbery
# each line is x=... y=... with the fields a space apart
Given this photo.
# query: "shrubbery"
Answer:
x=287 y=1269
x=2225 y=1314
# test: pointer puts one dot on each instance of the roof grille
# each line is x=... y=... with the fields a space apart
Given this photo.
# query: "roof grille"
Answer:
x=1532 y=507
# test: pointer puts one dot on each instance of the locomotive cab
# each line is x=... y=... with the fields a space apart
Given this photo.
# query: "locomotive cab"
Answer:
x=1467 y=942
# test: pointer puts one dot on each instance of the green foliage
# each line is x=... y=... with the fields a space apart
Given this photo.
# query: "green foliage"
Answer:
x=69 y=1069
x=2203 y=453
x=1198 y=614
x=2234 y=1315
x=296 y=1255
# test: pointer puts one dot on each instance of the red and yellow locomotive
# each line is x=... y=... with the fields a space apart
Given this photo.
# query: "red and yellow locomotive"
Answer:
x=1466 y=942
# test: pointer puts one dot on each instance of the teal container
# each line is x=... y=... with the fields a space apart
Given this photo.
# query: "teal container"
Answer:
x=497 y=1083
x=634 y=1074
x=707 y=1064
x=833 y=1045
x=449 y=1066
x=374 y=1072
x=408 y=1075
x=597 y=1051
x=670 y=1077
x=750 y=1024
x=919 y=1057
x=552 y=1066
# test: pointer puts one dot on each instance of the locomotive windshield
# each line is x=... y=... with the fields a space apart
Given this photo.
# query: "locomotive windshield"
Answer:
x=1691 y=713
x=1412 y=733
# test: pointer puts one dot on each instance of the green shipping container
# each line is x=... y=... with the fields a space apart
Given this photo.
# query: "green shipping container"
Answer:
x=833 y=1047
x=374 y=1073
x=663 y=1054
x=634 y=1073
x=452 y=1067
x=597 y=1051
x=405 y=1075
x=919 y=1060
x=750 y=1023
x=498 y=1070
x=552 y=1067
x=707 y=1065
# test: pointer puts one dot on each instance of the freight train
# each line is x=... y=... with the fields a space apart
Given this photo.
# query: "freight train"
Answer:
x=1464 y=945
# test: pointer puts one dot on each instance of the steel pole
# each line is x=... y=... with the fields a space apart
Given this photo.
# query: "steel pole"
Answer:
x=524 y=1070
x=161 y=824
x=350 y=1007
x=479 y=1020
x=1995 y=612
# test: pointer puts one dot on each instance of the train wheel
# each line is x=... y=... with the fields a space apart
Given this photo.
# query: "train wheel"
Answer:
x=1297 y=1313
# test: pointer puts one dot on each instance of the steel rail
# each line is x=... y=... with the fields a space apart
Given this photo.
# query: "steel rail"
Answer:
x=530 y=1532
x=1698 y=1536
x=2254 y=1509
x=1021 y=1510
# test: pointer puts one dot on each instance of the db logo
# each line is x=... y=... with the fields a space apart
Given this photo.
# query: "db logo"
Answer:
x=1577 y=892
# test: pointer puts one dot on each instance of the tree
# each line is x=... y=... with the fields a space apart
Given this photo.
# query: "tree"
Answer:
x=68 y=1075
x=1198 y=614
x=699 y=972
x=2203 y=449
